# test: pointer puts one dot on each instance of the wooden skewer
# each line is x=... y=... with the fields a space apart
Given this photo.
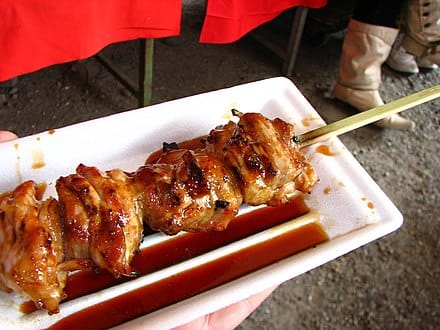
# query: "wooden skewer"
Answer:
x=367 y=117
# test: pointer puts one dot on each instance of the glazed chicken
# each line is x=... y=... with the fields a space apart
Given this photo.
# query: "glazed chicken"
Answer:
x=264 y=157
x=31 y=246
x=99 y=216
x=187 y=190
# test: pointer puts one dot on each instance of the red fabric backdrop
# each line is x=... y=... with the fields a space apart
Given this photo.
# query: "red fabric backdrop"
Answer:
x=36 y=34
x=228 y=20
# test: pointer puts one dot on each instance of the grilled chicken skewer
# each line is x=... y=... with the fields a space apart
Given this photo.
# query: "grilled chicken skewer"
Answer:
x=98 y=218
x=254 y=161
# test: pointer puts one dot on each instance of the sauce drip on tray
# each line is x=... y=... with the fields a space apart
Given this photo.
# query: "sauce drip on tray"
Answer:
x=325 y=150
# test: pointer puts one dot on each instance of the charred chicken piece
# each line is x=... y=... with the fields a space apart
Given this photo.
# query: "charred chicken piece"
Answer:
x=102 y=218
x=31 y=246
x=187 y=190
x=264 y=157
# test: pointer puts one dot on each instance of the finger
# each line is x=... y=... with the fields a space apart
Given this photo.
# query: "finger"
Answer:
x=228 y=317
x=7 y=136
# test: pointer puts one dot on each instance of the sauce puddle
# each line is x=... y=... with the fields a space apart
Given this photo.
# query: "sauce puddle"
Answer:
x=188 y=283
x=325 y=150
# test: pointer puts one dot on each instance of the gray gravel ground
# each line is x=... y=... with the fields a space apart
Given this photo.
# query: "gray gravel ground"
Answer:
x=388 y=284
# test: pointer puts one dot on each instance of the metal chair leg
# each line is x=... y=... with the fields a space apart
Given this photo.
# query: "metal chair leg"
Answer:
x=145 y=78
x=287 y=54
x=143 y=90
x=296 y=32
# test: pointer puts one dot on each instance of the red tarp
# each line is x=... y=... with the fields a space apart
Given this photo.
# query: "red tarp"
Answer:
x=36 y=34
x=228 y=20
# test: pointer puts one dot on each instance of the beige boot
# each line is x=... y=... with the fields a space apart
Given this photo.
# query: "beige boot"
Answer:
x=365 y=49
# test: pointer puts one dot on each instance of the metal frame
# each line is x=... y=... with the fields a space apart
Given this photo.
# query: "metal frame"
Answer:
x=143 y=89
x=287 y=54
x=296 y=31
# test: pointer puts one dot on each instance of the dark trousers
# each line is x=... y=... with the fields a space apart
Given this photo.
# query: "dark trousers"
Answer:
x=377 y=12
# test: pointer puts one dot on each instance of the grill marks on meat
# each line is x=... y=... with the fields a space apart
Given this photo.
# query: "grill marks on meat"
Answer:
x=264 y=158
x=188 y=190
x=101 y=218
x=98 y=218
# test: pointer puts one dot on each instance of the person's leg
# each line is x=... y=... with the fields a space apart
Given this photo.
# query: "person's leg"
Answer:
x=367 y=44
x=422 y=27
x=376 y=12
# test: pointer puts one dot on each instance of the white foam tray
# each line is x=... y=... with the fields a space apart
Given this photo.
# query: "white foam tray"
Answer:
x=353 y=209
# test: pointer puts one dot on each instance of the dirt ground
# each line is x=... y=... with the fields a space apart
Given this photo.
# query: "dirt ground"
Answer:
x=391 y=283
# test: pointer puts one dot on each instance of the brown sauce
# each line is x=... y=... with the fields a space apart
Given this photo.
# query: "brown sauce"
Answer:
x=188 y=246
x=189 y=283
x=186 y=284
x=182 y=248
x=306 y=122
x=370 y=205
x=196 y=143
x=39 y=164
x=325 y=150
x=27 y=307
x=38 y=160
x=17 y=164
